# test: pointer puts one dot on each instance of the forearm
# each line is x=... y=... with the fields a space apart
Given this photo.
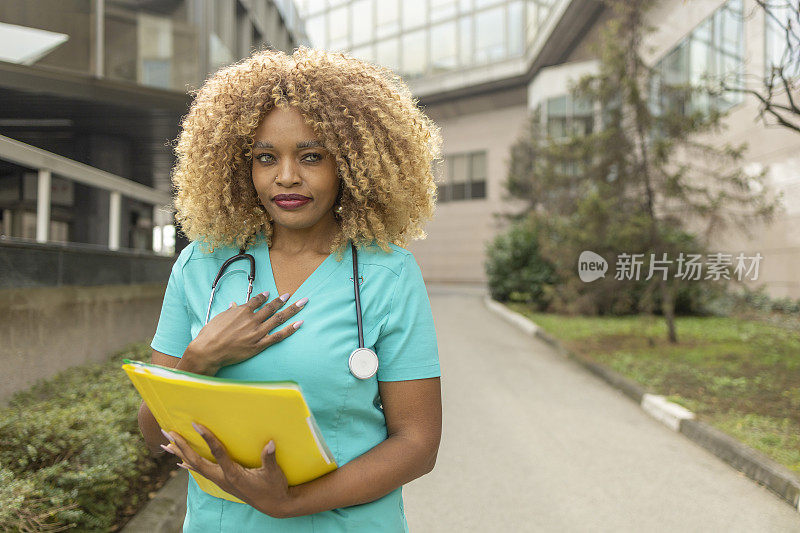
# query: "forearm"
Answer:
x=387 y=466
x=148 y=425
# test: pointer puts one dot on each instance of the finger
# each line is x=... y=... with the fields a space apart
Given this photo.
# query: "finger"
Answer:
x=272 y=338
x=256 y=301
x=218 y=449
x=197 y=462
x=269 y=309
x=268 y=462
x=279 y=318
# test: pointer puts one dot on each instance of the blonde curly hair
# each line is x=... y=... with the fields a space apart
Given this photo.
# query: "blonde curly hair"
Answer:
x=384 y=148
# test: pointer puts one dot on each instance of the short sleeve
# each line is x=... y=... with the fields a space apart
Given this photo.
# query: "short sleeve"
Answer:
x=173 y=333
x=406 y=345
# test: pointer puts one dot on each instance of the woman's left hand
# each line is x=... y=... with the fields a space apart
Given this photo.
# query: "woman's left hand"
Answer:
x=264 y=488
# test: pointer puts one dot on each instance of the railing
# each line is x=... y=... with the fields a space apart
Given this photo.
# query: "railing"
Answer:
x=48 y=163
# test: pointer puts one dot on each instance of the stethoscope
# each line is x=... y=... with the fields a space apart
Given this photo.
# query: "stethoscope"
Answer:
x=363 y=361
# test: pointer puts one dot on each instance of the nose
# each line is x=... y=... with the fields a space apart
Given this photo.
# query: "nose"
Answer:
x=287 y=173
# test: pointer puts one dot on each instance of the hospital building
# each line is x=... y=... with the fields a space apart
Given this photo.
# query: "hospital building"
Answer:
x=479 y=67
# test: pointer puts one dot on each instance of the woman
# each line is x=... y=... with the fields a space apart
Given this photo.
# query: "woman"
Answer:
x=295 y=157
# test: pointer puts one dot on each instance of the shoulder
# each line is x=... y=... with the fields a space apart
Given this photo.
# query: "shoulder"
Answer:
x=197 y=250
x=394 y=261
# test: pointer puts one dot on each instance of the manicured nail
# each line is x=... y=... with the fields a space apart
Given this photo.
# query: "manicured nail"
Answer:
x=184 y=465
x=302 y=302
x=166 y=449
x=265 y=293
x=197 y=428
x=285 y=297
x=167 y=435
x=298 y=324
x=271 y=446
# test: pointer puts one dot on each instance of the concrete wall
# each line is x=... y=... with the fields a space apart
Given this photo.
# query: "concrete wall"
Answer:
x=45 y=330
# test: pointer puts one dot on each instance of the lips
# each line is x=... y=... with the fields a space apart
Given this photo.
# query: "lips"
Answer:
x=290 y=201
x=282 y=197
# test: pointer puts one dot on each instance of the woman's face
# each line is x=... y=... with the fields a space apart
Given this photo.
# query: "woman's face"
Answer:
x=289 y=160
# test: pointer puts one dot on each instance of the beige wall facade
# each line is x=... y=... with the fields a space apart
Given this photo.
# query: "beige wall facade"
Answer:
x=454 y=250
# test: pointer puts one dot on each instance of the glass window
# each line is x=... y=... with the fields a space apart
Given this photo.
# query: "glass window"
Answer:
x=364 y=52
x=363 y=21
x=478 y=166
x=459 y=177
x=777 y=46
x=155 y=50
x=479 y=175
x=443 y=9
x=316 y=30
x=462 y=176
x=490 y=35
x=557 y=117
x=414 y=53
x=516 y=21
x=484 y=3
x=415 y=13
x=315 y=6
x=388 y=21
x=338 y=28
x=465 y=39
x=712 y=53
x=582 y=121
x=387 y=53
x=443 y=47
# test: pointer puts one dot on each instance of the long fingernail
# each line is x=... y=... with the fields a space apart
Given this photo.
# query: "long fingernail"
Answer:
x=271 y=446
x=167 y=435
x=298 y=324
x=265 y=293
x=184 y=465
x=285 y=297
x=302 y=302
x=166 y=448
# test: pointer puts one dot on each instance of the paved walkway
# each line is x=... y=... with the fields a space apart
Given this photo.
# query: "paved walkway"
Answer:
x=533 y=442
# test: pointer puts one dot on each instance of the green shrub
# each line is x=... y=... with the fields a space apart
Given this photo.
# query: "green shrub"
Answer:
x=70 y=449
x=515 y=269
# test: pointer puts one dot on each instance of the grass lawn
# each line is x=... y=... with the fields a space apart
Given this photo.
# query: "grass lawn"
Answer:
x=741 y=376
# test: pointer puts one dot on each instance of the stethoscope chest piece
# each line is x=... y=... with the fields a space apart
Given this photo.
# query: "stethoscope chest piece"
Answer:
x=363 y=363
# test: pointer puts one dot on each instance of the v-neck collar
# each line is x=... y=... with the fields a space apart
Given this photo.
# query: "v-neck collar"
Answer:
x=320 y=274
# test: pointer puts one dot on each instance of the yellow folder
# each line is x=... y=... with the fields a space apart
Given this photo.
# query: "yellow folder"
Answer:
x=244 y=415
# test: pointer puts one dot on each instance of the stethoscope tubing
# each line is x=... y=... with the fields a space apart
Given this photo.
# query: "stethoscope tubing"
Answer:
x=363 y=361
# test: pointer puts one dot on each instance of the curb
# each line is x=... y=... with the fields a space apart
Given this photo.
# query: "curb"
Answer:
x=166 y=511
x=743 y=458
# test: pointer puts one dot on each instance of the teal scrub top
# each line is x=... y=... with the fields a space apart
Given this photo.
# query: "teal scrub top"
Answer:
x=398 y=326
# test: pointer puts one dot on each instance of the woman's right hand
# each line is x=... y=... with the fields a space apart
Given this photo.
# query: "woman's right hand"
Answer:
x=240 y=332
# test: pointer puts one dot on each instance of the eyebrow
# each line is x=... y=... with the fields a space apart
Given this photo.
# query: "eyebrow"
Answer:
x=301 y=144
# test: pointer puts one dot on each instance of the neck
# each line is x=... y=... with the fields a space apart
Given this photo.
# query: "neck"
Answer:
x=300 y=241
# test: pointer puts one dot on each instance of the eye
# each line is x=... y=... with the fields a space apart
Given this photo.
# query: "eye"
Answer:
x=259 y=156
x=315 y=157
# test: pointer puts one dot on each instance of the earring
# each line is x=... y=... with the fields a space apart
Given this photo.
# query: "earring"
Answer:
x=338 y=209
